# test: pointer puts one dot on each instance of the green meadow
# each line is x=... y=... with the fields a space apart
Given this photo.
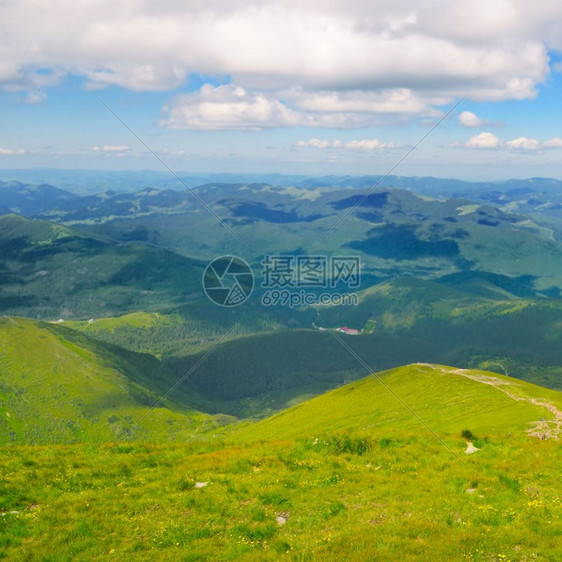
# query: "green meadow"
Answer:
x=350 y=474
x=377 y=495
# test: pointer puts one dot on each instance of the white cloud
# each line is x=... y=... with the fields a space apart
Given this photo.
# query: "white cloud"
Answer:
x=520 y=144
x=342 y=58
x=554 y=142
x=318 y=143
x=228 y=107
x=363 y=144
x=523 y=143
x=233 y=107
x=34 y=98
x=110 y=148
x=368 y=144
x=469 y=119
x=11 y=152
x=169 y=152
x=386 y=101
x=483 y=140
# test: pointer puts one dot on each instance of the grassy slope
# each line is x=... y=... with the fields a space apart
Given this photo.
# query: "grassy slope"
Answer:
x=58 y=388
x=367 y=488
x=444 y=398
x=144 y=332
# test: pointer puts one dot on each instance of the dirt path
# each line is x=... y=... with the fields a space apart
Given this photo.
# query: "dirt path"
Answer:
x=543 y=428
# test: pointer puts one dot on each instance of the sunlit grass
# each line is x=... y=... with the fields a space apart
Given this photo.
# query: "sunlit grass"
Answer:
x=378 y=496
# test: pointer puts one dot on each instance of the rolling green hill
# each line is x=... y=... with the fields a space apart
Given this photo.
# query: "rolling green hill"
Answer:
x=56 y=387
x=276 y=356
x=446 y=399
x=50 y=271
x=349 y=475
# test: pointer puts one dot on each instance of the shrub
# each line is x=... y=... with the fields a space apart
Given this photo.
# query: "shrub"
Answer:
x=468 y=435
x=385 y=442
x=348 y=444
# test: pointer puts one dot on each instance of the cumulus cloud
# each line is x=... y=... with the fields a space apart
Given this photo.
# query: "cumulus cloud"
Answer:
x=319 y=143
x=144 y=44
x=386 y=101
x=33 y=98
x=368 y=144
x=11 y=151
x=342 y=58
x=228 y=107
x=523 y=143
x=169 y=152
x=469 y=119
x=483 y=140
x=233 y=107
x=488 y=140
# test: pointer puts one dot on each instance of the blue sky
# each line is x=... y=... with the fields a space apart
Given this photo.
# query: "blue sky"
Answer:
x=288 y=87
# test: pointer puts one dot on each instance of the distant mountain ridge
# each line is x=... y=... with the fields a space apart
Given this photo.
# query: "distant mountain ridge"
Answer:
x=396 y=230
x=443 y=280
x=96 y=181
x=53 y=270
